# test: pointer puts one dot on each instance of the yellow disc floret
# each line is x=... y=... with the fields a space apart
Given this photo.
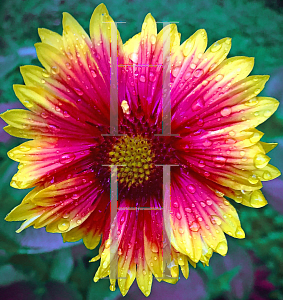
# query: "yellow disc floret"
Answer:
x=134 y=157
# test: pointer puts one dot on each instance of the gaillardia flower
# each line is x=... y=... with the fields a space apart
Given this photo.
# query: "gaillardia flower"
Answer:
x=214 y=150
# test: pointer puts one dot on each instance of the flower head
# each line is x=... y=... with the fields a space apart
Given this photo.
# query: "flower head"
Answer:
x=205 y=144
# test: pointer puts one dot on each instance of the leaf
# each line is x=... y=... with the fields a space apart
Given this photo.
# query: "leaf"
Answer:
x=62 y=265
x=9 y=275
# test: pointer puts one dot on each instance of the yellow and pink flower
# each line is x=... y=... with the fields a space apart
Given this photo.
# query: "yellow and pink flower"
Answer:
x=214 y=147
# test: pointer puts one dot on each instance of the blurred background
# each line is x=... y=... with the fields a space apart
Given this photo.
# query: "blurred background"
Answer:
x=38 y=265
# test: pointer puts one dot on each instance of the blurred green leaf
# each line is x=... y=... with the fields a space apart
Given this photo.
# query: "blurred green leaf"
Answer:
x=62 y=265
x=9 y=275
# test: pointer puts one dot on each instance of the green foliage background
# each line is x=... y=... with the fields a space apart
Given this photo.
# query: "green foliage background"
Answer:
x=41 y=260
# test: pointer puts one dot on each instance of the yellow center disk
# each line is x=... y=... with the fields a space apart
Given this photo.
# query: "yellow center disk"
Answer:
x=135 y=156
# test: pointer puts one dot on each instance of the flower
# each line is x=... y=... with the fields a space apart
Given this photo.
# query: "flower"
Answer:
x=214 y=147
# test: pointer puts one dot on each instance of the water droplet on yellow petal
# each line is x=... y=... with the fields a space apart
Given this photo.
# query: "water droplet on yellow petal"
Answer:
x=54 y=70
x=219 y=77
x=257 y=199
x=222 y=248
x=215 y=47
x=215 y=220
x=226 y=111
x=253 y=179
x=266 y=175
x=240 y=234
x=63 y=225
x=195 y=226
x=261 y=160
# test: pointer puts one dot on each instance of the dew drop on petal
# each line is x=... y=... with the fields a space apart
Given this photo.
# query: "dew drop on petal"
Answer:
x=201 y=164
x=226 y=111
x=54 y=70
x=178 y=216
x=188 y=210
x=23 y=148
x=144 y=272
x=153 y=39
x=67 y=158
x=253 y=179
x=44 y=115
x=45 y=74
x=63 y=225
x=207 y=143
x=79 y=91
x=222 y=248
x=193 y=66
x=266 y=175
x=152 y=76
x=215 y=47
x=176 y=204
x=219 y=77
x=257 y=199
x=93 y=73
x=215 y=220
x=208 y=201
x=191 y=188
x=261 y=160
x=195 y=226
x=79 y=221
x=219 y=161
x=66 y=114
x=198 y=72
x=197 y=104
x=181 y=230
x=154 y=248
x=28 y=104
x=176 y=71
x=252 y=102
x=240 y=234
x=134 y=57
x=66 y=215
x=142 y=78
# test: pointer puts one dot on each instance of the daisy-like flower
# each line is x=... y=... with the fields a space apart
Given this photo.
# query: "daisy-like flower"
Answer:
x=212 y=149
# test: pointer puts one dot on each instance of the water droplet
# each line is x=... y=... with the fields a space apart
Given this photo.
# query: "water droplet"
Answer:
x=79 y=221
x=79 y=91
x=193 y=66
x=197 y=104
x=66 y=215
x=23 y=148
x=219 y=77
x=181 y=230
x=266 y=175
x=44 y=115
x=142 y=78
x=202 y=204
x=219 y=161
x=154 y=248
x=28 y=104
x=253 y=179
x=176 y=204
x=200 y=122
x=242 y=153
x=198 y=72
x=195 y=226
x=112 y=287
x=63 y=225
x=178 y=216
x=93 y=73
x=215 y=47
x=120 y=252
x=240 y=234
x=257 y=199
x=191 y=188
x=267 y=113
x=188 y=210
x=207 y=143
x=75 y=196
x=261 y=160
x=252 y=102
x=153 y=39
x=66 y=114
x=232 y=133
x=201 y=164
x=208 y=201
x=257 y=91
x=54 y=70
x=134 y=57
x=152 y=76
x=222 y=248
x=226 y=111
x=67 y=158
x=215 y=220
x=45 y=74
x=176 y=71
x=68 y=65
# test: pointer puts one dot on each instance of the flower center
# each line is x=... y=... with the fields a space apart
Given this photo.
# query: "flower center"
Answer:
x=134 y=157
